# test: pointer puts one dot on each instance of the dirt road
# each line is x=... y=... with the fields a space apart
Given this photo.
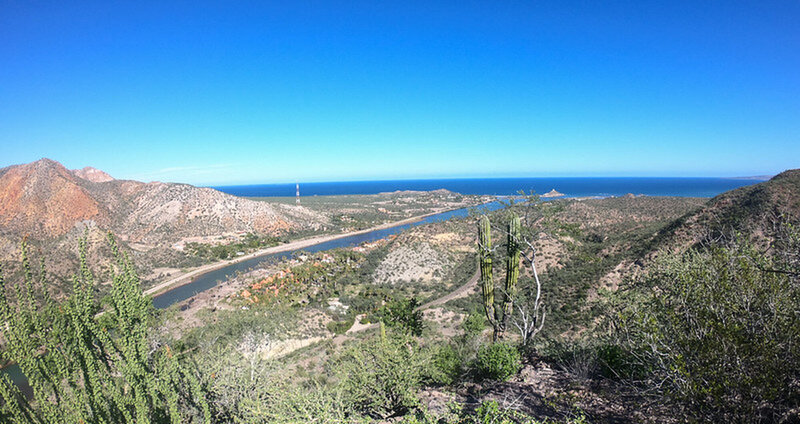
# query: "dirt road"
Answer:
x=460 y=292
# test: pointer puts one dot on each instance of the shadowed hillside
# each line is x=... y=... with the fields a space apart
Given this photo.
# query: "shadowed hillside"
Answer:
x=751 y=211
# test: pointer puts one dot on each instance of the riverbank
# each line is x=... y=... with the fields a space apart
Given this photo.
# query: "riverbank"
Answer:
x=188 y=277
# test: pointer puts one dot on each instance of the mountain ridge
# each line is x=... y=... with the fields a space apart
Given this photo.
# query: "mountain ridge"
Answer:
x=44 y=199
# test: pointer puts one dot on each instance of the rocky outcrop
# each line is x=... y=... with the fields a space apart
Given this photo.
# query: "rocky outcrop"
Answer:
x=92 y=174
x=553 y=193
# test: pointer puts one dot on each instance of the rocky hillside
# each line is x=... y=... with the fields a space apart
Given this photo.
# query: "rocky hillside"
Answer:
x=752 y=211
x=159 y=212
x=92 y=174
x=53 y=207
x=44 y=200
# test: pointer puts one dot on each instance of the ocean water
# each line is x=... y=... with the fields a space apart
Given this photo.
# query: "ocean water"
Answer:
x=573 y=187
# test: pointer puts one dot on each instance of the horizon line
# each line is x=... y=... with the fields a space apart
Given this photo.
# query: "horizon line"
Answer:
x=748 y=177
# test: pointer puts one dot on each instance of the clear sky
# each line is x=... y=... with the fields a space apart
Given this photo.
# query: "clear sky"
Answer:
x=211 y=93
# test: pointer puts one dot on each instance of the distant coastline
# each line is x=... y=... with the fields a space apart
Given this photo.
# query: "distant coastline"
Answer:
x=569 y=186
x=754 y=177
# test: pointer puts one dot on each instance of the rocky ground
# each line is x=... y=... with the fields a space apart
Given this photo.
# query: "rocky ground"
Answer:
x=546 y=392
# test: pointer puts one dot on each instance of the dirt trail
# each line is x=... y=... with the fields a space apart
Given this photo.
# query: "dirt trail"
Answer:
x=460 y=292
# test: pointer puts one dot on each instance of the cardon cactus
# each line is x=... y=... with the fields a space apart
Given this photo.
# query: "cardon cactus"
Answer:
x=498 y=316
x=485 y=254
x=512 y=270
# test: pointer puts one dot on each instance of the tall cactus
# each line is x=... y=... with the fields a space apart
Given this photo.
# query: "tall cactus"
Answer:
x=487 y=281
x=498 y=316
x=512 y=270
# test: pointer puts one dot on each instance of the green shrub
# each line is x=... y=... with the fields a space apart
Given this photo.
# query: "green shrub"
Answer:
x=445 y=366
x=380 y=377
x=291 y=404
x=490 y=413
x=498 y=361
x=402 y=314
x=339 y=327
x=718 y=330
x=474 y=324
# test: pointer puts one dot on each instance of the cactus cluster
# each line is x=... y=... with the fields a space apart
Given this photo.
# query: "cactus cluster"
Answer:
x=499 y=306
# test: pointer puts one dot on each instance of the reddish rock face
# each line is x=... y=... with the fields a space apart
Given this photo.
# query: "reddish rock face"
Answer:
x=45 y=199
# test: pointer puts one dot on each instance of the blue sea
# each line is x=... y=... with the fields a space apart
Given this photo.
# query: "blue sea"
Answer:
x=573 y=187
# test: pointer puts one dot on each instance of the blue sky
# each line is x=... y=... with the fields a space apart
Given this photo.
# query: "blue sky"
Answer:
x=208 y=93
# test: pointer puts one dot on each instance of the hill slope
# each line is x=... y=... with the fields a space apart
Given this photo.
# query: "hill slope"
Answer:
x=92 y=174
x=43 y=200
x=751 y=211
x=52 y=207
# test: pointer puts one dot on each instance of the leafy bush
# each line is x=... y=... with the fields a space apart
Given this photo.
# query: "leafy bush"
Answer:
x=718 y=329
x=402 y=314
x=474 y=323
x=381 y=377
x=340 y=327
x=498 y=361
x=490 y=413
x=445 y=365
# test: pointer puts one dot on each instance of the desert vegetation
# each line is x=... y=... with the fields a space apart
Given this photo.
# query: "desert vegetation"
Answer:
x=574 y=310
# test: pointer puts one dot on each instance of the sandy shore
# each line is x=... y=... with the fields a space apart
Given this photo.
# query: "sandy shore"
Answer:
x=187 y=277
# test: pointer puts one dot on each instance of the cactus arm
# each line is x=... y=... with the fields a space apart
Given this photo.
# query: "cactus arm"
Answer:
x=485 y=256
x=512 y=270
